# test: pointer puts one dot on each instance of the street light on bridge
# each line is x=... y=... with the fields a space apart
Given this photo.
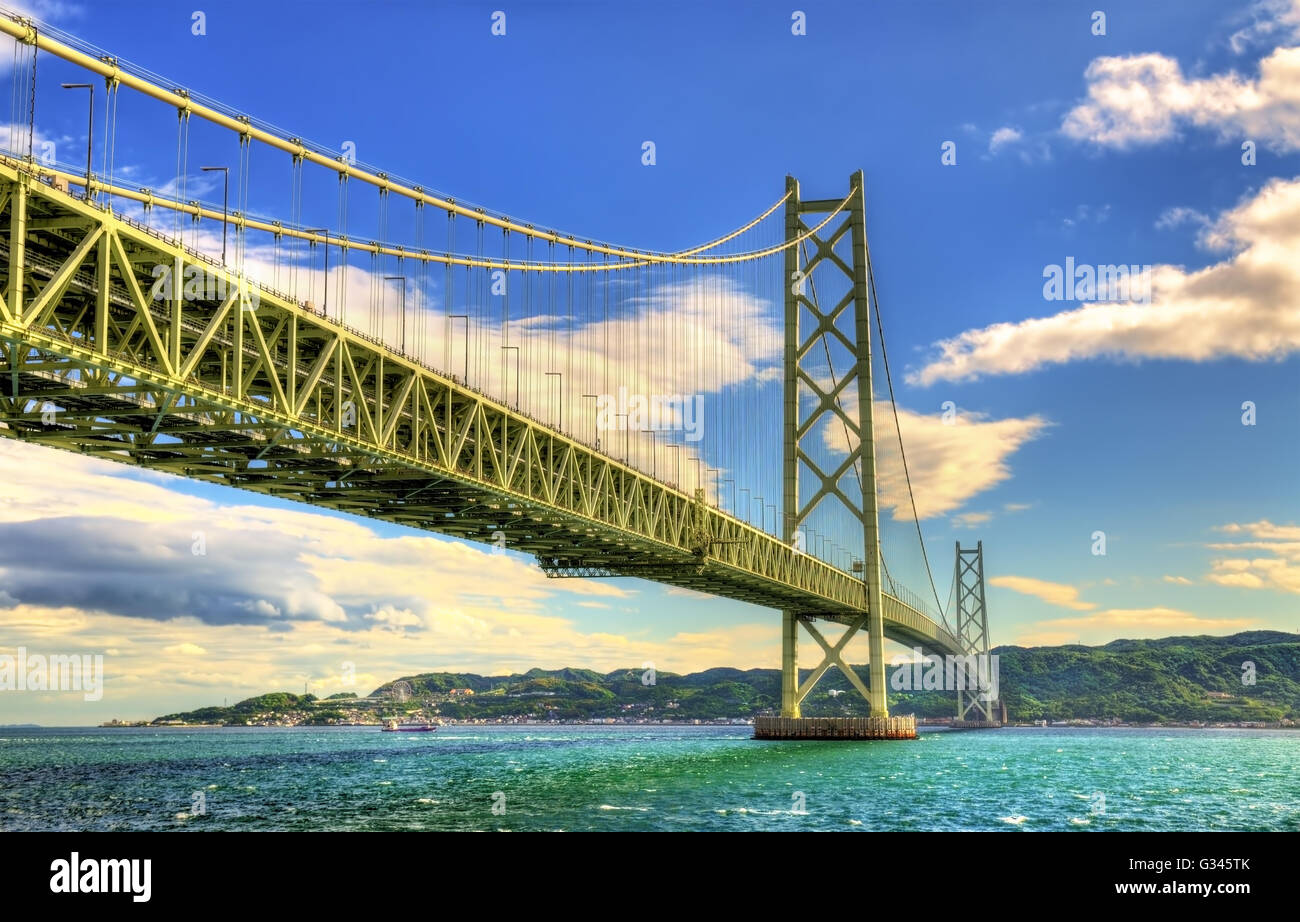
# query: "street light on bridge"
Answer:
x=504 y=367
x=560 y=374
x=90 y=127
x=595 y=415
x=654 y=452
x=465 y=317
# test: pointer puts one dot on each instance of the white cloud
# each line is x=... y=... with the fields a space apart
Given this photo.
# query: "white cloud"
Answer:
x=1061 y=594
x=949 y=461
x=186 y=649
x=1173 y=218
x=295 y=595
x=1246 y=306
x=1145 y=99
x=1013 y=139
x=1084 y=214
x=1270 y=19
x=46 y=10
x=1279 y=569
x=1003 y=137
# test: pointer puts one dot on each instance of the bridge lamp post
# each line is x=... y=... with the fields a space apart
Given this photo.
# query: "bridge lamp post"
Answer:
x=717 y=494
x=325 y=304
x=595 y=418
x=90 y=126
x=560 y=375
x=733 y=493
x=626 y=452
x=654 y=452
x=402 y=279
x=507 y=349
x=464 y=317
x=749 y=506
x=678 y=449
x=225 y=203
x=772 y=506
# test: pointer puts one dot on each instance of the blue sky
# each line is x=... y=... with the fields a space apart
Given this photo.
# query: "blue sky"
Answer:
x=1128 y=426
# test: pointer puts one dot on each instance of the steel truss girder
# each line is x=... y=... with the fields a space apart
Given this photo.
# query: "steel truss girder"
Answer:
x=280 y=400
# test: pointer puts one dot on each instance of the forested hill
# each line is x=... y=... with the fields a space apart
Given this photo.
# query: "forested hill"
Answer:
x=1253 y=676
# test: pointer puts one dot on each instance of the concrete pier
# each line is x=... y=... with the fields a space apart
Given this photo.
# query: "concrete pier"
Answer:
x=835 y=728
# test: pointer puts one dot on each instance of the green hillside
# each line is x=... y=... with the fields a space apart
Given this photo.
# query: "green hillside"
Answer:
x=1174 y=679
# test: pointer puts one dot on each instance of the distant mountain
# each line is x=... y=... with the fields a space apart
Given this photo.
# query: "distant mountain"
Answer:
x=1252 y=676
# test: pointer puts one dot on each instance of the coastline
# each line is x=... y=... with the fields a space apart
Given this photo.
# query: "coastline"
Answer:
x=719 y=722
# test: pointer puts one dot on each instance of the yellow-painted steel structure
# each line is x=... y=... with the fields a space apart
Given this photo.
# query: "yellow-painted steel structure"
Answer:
x=248 y=388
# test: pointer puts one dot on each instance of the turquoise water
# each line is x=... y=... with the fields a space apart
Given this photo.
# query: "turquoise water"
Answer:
x=635 y=778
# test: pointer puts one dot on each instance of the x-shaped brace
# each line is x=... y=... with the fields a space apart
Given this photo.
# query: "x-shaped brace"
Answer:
x=832 y=658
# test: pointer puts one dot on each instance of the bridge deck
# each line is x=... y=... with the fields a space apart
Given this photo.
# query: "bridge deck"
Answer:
x=280 y=400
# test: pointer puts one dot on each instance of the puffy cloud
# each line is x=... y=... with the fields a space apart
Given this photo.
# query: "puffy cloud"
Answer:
x=1003 y=137
x=1245 y=306
x=950 y=457
x=1177 y=217
x=1278 y=568
x=165 y=666
x=1145 y=98
x=256 y=613
x=1061 y=594
x=134 y=547
x=1270 y=20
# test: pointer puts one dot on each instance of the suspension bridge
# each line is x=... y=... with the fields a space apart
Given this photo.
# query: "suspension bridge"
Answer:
x=609 y=410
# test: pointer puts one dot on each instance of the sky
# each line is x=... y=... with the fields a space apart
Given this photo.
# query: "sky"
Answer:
x=997 y=141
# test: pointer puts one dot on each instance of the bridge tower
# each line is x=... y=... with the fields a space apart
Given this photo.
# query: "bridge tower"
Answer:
x=973 y=707
x=825 y=309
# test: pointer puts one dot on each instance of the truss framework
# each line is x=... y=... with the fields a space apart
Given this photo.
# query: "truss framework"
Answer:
x=826 y=310
x=266 y=394
x=972 y=626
